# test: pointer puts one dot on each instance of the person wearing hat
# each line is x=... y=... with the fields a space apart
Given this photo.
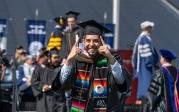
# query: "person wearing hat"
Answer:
x=144 y=60
x=170 y=75
x=54 y=65
x=54 y=58
x=49 y=97
x=39 y=83
x=164 y=87
x=70 y=32
x=72 y=19
x=56 y=36
x=95 y=74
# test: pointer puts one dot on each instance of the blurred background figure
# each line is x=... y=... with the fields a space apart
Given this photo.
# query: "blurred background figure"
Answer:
x=39 y=82
x=54 y=58
x=18 y=51
x=56 y=36
x=2 y=52
x=171 y=84
x=20 y=56
x=54 y=65
x=72 y=19
x=164 y=86
x=6 y=74
x=6 y=84
x=41 y=51
x=70 y=32
x=144 y=60
x=24 y=73
x=45 y=84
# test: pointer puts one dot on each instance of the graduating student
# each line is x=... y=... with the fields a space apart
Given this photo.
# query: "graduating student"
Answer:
x=44 y=88
x=95 y=74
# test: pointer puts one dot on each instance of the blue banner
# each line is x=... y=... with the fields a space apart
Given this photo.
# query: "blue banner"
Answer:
x=3 y=34
x=36 y=34
x=109 y=37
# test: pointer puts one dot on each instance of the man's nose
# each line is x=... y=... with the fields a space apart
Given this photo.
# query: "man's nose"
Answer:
x=91 y=43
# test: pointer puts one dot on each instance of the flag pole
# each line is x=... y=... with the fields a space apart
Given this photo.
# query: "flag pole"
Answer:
x=116 y=17
x=105 y=17
x=36 y=14
x=14 y=88
x=36 y=19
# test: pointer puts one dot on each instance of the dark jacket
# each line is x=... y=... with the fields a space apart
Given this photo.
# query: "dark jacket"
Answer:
x=47 y=101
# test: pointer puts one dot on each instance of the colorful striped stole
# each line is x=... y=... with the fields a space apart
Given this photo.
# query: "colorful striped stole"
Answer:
x=91 y=84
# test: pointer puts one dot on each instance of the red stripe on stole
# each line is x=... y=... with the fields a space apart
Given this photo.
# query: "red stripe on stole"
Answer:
x=83 y=76
x=78 y=104
x=100 y=82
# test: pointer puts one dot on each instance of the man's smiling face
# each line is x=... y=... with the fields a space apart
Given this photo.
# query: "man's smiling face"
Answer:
x=92 y=43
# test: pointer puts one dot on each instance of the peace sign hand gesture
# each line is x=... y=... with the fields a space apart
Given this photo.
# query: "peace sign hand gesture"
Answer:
x=104 y=50
x=74 y=51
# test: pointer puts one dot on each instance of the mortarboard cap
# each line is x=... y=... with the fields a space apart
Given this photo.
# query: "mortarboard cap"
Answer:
x=54 y=52
x=72 y=14
x=60 y=20
x=167 y=54
x=93 y=28
x=146 y=24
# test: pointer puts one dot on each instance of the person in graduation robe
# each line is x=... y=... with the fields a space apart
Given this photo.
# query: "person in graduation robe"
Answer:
x=24 y=76
x=69 y=36
x=144 y=59
x=43 y=88
x=164 y=88
x=97 y=77
x=55 y=40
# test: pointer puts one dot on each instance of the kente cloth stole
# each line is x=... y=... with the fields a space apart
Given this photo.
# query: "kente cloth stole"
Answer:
x=91 y=84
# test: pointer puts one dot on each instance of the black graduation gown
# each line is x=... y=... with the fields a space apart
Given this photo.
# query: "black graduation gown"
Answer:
x=46 y=101
x=68 y=41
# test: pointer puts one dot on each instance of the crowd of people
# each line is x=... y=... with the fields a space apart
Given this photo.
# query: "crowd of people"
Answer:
x=83 y=75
